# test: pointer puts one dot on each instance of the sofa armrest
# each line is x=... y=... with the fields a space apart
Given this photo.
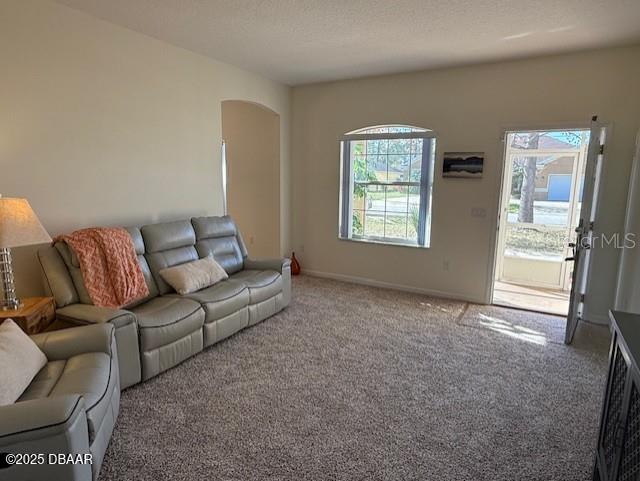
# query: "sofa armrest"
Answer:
x=272 y=264
x=28 y=420
x=63 y=344
x=51 y=425
x=126 y=326
x=283 y=266
x=88 y=314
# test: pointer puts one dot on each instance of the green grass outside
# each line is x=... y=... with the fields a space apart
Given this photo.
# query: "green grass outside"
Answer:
x=536 y=241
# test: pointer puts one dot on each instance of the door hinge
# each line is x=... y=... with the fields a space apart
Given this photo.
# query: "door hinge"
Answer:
x=581 y=297
x=601 y=149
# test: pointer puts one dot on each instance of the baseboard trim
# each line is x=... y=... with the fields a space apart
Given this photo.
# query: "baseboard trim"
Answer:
x=596 y=319
x=389 y=285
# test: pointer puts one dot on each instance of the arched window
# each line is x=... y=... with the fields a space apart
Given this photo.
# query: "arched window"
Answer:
x=387 y=129
x=386 y=179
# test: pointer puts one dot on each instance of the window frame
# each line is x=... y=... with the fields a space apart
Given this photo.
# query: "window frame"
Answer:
x=427 y=165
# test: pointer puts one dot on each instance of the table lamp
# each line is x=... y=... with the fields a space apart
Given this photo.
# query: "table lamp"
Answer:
x=19 y=226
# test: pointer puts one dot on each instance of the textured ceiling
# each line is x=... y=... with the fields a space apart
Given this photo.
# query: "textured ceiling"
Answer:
x=302 y=41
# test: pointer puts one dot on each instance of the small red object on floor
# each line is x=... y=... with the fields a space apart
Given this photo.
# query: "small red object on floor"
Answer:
x=295 y=265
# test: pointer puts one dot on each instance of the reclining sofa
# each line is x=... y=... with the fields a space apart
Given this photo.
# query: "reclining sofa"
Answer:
x=70 y=407
x=165 y=328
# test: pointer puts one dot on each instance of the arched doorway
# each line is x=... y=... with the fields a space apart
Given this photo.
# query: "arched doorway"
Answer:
x=251 y=133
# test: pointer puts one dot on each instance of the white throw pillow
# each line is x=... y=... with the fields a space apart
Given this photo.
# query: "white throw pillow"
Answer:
x=20 y=361
x=193 y=276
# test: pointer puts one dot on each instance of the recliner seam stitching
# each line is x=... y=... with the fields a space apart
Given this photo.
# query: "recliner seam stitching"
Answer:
x=48 y=425
x=45 y=273
x=84 y=321
x=229 y=297
x=172 y=323
x=266 y=285
x=113 y=333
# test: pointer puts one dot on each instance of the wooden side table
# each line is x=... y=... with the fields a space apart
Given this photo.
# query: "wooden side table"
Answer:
x=34 y=316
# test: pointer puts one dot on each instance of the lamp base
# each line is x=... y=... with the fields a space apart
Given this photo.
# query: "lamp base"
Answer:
x=15 y=306
x=9 y=302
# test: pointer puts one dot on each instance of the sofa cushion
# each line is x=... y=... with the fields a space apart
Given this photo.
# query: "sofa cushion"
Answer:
x=219 y=237
x=168 y=235
x=168 y=244
x=20 y=361
x=194 y=276
x=164 y=320
x=136 y=237
x=221 y=299
x=56 y=276
x=262 y=284
x=161 y=260
x=74 y=271
x=138 y=243
x=44 y=382
x=148 y=278
x=89 y=375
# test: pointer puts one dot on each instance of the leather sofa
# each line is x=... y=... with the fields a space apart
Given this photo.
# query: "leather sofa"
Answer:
x=162 y=330
x=69 y=408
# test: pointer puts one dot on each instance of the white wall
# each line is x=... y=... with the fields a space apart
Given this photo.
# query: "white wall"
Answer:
x=252 y=136
x=628 y=298
x=100 y=125
x=468 y=108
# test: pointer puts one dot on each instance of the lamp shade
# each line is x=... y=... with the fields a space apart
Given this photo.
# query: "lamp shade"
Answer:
x=19 y=225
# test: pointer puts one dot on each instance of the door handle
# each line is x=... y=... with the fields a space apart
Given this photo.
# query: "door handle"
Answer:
x=569 y=259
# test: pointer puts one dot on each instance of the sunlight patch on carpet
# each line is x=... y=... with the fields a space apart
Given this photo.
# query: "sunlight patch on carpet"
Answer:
x=531 y=327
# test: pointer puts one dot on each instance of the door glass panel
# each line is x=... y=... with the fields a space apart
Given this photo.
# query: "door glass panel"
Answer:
x=539 y=207
x=542 y=191
x=550 y=141
x=535 y=241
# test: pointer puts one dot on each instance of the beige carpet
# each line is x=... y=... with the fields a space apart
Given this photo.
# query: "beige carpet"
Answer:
x=358 y=383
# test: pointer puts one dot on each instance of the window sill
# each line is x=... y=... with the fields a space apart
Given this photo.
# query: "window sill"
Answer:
x=383 y=242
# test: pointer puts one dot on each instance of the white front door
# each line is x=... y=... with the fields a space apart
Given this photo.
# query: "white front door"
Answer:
x=584 y=232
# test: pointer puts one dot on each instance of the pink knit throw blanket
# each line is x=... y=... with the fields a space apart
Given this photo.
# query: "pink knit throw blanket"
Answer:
x=109 y=266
